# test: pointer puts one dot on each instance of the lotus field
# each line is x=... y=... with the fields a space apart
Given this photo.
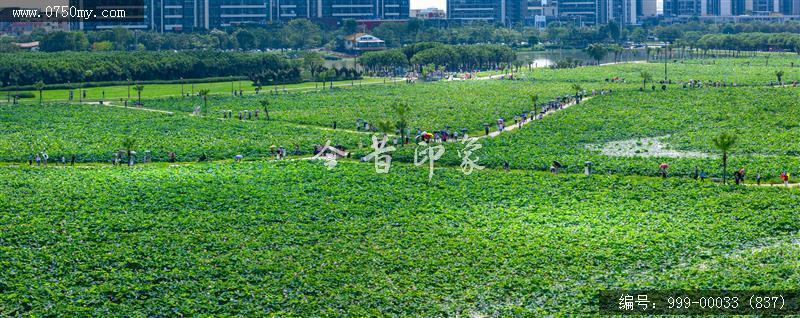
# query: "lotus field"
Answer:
x=228 y=228
x=297 y=239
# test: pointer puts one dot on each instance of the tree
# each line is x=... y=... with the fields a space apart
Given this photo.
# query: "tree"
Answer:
x=617 y=50
x=204 y=94
x=385 y=126
x=596 y=51
x=302 y=33
x=724 y=142
x=246 y=39
x=39 y=87
x=86 y=75
x=139 y=88
x=533 y=40
x=313 y=62
x=128 y=143
x=401 y=118
x=577 y=88
x=265 y=103
x=779 y=75
x=638 y=35
x=614 y=30
x=349 y=26
x=534 y=100
x=646 y=77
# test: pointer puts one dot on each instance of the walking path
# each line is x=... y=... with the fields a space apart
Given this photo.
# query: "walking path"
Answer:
x=781 y=185
x=529 y=120
x=131 y=107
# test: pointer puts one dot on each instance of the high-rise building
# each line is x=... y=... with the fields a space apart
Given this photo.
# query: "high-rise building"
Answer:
x=646 y=8
x=621 y=11
x=195 y=15
x=507 y=12
x=337 y=10
x=583 y=12
x=684 y=7
x=791 y=7
x=587 y=12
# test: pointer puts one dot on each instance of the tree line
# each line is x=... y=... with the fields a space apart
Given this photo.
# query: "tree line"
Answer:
x=751 y=42
x=450 y=57
x=27 y=68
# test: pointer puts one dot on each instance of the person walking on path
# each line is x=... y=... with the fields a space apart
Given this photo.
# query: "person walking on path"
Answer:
x=785 y=178
x=758 y=179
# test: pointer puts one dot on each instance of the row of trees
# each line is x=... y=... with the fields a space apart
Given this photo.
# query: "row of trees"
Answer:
x=451 y=57
x=63 y=67
x=751 y=42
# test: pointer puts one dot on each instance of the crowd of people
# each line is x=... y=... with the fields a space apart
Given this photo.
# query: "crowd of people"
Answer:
x=42 y=158
x=243 y=114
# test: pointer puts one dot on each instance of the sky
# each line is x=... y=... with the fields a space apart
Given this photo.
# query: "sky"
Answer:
x=424 y=4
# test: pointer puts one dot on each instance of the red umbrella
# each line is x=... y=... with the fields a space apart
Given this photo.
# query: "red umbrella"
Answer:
x=664 y=166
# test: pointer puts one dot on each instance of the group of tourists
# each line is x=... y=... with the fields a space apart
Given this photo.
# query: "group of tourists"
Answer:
x=243 y=114
x=42 y=158
x=280 y=152
x=117 y=157
x=773 y=84
x=438 y=136
x=361 y=125
x=709 y=83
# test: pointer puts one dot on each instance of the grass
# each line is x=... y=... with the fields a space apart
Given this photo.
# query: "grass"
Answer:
x=117 y=93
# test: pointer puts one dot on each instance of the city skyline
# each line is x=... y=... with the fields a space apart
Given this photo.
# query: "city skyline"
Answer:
x=442 y=4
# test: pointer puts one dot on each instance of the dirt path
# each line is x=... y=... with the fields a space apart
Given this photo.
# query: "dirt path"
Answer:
x=780 y=185
x=131 y=107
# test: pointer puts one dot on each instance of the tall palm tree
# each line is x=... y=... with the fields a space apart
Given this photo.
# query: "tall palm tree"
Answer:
x=128 y=145
x=596 y=51
x=646 y=77
x=86 y=75
x=265 y=103
x=139 y=88
x=401 y=118
x=724 y=142
x=204 y=94
x=39 y=87
x=385 y=126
